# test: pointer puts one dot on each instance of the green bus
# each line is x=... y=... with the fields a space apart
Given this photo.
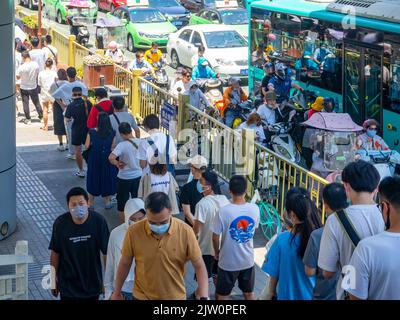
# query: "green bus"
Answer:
x=362 y=45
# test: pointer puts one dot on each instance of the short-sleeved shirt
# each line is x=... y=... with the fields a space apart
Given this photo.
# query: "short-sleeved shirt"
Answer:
x=128 y=153
x=325 y=289
x=281 y=87
x=376 y=261
x=267 y=114
x=336 y=248
x=236 y=225
x=205 y=212
x=123 y=116
x=78 y=112
x=105 y=105
x=79 y=270
x=284 y=263
x=190 y=196
x=160 y=264
x=146 y=151
x=29 y=72
x=39 y=56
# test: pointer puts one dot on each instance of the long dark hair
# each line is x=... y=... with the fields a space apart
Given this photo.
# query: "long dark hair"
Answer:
x=104 y=127
x=301 y=205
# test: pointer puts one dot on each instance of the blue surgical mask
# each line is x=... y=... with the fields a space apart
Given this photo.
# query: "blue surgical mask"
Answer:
x=190 y=179
x=252 y=126
x=199 y=187
x=371 y=133
x=79 y=212
x=159 y=229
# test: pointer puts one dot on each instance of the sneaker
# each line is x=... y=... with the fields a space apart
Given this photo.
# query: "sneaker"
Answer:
x=27 y=121
x=61 y=147
x=80 y=174
x=71 y=156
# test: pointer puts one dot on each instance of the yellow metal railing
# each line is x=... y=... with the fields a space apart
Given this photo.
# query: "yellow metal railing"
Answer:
x=217 y=142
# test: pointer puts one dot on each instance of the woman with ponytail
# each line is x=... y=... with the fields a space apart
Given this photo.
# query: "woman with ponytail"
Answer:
x=284 y=263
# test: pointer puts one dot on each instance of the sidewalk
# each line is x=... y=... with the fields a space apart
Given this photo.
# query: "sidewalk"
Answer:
x=44 y=176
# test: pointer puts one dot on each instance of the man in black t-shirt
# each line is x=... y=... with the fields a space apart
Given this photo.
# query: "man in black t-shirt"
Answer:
x=78 y=111
x=189 y=194
x=269 y=70
x=77 y=239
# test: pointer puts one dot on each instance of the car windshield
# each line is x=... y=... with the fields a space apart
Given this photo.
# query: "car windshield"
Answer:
x=146 y=16
x=164 y=3
x=233 y=17
x=224 y=39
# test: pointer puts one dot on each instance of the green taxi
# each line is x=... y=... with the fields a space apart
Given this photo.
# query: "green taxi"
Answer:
x=59 y=10
x=225 y=12
x=144 y=25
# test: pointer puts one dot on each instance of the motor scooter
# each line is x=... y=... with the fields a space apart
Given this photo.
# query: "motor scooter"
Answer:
x=79 y=29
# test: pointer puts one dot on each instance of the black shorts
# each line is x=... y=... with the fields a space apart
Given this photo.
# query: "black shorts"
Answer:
x=211 y=265
x=78 y=137
x=226 y=281
x=126 y=189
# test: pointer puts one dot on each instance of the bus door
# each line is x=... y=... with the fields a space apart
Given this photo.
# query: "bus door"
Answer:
x=362 y=79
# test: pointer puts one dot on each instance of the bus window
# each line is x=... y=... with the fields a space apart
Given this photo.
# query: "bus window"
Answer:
x=391 y=77
x=260 y=29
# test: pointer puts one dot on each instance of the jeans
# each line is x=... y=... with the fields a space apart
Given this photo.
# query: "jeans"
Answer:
x=34 y=95
x=68 y=130
x=231 y=115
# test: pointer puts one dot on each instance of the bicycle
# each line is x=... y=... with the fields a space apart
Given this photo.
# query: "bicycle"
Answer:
x=270 y=220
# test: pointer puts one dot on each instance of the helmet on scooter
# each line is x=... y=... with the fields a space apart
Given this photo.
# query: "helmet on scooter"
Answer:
x=369 y=122
x=280 y=70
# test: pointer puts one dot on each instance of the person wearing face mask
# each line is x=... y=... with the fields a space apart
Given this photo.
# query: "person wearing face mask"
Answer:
x=134 y=212
x=197 y=97
x=160 y=246
x=281 y=83
x=376 y=259
x=369 y=140
x=284 y=261
x=254 y=122
x=189 y=195
x=154 y=54
x=233 y=96
x=79 y=237
x=205 y=212
x=360 y=180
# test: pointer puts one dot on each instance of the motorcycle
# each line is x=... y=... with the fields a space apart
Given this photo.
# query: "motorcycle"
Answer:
x=386 y=162
x=161 y=77
x=283 y=144
x=79 y=29
x=213 y=90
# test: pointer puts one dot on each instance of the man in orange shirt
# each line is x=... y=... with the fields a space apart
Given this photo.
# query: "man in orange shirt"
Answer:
x=233 y=96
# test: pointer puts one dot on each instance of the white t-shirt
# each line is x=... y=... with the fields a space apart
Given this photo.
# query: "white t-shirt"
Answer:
x=336 y=248
x=236 y=224
x=64 y=92
x=28 y=72
x=45 y=80
x=146 y=151
x=50 y=52
x=206 y=209
x=266 y=114
x=180 y=84
x=160 y=183
x=259 y=131
x=377 y=263
x=39 y=56
x=128 y=154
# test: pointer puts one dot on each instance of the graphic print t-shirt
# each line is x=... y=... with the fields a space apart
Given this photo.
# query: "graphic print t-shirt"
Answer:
x=236 y=225
x=79 y=270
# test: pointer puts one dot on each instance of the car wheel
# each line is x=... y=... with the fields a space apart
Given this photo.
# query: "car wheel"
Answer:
x=131 y=45
x=174 y=60
x=59 y=17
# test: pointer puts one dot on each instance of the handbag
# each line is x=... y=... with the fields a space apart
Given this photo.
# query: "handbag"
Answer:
x=85 y=154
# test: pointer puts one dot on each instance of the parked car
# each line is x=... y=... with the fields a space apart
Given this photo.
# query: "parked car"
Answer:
x=197 y=5
x=59 y=10
x=173 y=11
x=31 y=4
x=226 y=49
x=233 y=16
x=144 y=25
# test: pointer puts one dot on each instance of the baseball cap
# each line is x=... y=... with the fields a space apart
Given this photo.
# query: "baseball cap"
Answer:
x=198 y=161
